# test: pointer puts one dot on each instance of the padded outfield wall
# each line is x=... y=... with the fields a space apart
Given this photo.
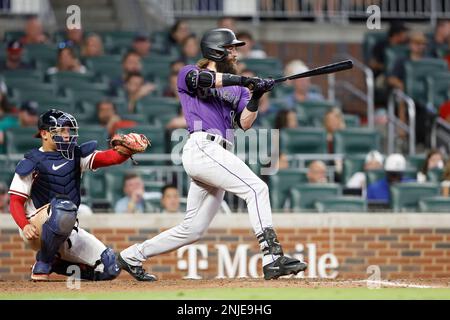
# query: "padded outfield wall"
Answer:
x=336 y=245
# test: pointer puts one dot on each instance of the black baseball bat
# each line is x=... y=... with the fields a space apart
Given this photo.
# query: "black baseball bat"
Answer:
x=329 y=68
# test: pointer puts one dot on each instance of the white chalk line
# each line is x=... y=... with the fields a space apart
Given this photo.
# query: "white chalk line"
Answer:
x=384 y=283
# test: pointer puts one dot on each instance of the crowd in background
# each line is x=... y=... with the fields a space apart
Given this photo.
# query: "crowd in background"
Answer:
x=183 y=45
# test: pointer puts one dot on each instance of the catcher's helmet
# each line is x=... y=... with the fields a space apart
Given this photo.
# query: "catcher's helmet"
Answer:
x=215 y=41
x=63 y=128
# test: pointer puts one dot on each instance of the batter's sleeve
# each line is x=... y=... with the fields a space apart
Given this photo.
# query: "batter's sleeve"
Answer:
x=244 y=99
x=181 y=82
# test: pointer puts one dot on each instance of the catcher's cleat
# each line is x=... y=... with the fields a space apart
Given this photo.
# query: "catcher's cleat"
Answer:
x=40 y=271
x=136 y=272
x=283 y=266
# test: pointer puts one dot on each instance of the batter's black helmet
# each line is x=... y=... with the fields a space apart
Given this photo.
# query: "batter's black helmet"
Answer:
x=215 y=41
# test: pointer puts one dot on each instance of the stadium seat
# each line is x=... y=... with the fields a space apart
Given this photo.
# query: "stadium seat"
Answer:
x=95 y=132
x=92 y=95
x=435 y=204
x=438 y=85
x=416 y=74
x=108 y=65
x=42 y=52
x=392 y=54
x=303 y=140
x=341 y=204
x=369 y=41
x=352 y=121
x=351 y=165
x=13 y=35
x=21 y=140
x=23 y=74
x=69 y=79
x=314 y=109
x=435 y=175
x=153 y=107
x=406 y=196
x=280 y=184
x=356 y=140
x=95 y=185
x=268 y=67
x=415 y=161
x=39 y=91
x=304 y=196
x=114 y=185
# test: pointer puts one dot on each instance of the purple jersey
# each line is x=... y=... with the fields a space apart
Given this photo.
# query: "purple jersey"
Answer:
x=211 y=109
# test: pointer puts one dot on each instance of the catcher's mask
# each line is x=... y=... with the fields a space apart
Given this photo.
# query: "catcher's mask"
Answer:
x=63 y=128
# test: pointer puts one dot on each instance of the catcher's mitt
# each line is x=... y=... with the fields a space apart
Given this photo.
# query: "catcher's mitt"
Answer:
x=129 y=144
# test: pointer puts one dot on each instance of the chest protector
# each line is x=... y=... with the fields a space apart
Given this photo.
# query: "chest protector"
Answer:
x=54 y=174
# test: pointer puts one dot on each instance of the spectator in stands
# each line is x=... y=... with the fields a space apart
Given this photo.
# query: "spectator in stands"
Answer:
x=394 y=166
x=317 y=172
x=67 y=61
x=440 y=38
x=333 y=121
x=302 y=87
x=108 y=118
x=250 y=50
x=178 y=32
x=34 y=33
x=27 y=117
x=397 y=35
x=286 y=119
x=170 y=200
x=283 y=162
x=92 y=46
x=8 y=117
x=417 y=46
x=434 y=160
x=4 y=198
x=445 y=184
x=190 y=49
x=133 y=201
x=171 y=91
x=75 y=36
x=373 y=161
x=136 y=88
x=142 y=45
x=227 y=23
x=131 y=63
x=14 y=60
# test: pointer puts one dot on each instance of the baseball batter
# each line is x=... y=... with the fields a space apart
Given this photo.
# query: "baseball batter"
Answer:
x=215 y=100
x=45 y=195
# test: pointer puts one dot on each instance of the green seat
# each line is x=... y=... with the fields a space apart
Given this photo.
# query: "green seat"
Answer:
x=303 y=140
x=435 y=204
x=154 y=107
x=155 y=134
x=115 y=41
x=342 y=204
x=13 y=35
x=304 y=196
x=23 y=74
x=406 y=196
x=392 y=54
x=53 y=102
x=435 y=175
x=369 y=41
x=265 y=67
x=109 y=65
x=416 y=74
x=21 y=140
x=114 y=185
x=280 y=184
x=97 y=133
x=314 y=110
x=91 y=95
x=351 y=165
x=352 y=121
x=40 y=91
x=438 y=88
x=41 y=52
x=356 y=140
x=68 y=79
x=95 y=185
x=415 y=161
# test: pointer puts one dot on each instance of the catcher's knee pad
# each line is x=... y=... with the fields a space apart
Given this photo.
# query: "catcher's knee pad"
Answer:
x=110 y=268
x=57 y=228
x=269 y=243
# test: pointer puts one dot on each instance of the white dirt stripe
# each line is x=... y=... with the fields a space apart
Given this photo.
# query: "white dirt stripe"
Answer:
x=383 y=283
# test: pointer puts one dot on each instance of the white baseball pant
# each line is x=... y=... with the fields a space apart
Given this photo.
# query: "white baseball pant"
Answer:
x=213 y=170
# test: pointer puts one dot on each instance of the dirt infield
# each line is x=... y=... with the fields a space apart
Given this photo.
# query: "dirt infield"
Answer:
x=17 y=287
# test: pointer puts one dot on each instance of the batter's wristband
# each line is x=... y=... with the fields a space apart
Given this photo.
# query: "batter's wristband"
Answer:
x=253 y=104
x=231 y=80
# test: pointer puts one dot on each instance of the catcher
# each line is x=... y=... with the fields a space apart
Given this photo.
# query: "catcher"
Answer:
x=45 y=196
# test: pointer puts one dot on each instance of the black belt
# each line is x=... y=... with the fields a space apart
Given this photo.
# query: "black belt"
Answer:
x=225 y=144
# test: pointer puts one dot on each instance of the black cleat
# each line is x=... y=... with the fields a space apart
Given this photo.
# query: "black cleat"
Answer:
x=136 y=272
x=283 y=266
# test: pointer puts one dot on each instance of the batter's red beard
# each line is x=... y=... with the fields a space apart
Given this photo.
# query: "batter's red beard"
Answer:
x=227 y=66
